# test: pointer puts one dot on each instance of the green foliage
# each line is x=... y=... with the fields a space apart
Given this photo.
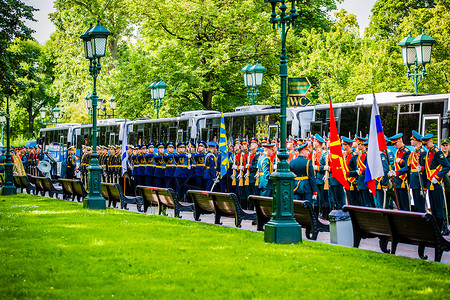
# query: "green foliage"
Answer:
x=12 y=16
x=56 y=249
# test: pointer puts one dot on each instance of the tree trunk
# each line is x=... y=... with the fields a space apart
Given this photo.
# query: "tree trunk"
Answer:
x=207 y=99
x=30 y=115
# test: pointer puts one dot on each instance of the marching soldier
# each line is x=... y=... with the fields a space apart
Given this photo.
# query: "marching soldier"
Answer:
x=305 y=183
x=436 y=166
x=400 y=171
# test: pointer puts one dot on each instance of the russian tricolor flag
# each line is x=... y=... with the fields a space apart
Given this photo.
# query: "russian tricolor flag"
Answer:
x=377 y=143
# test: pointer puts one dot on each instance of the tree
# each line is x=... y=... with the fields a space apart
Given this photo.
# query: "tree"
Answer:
x=12 y=16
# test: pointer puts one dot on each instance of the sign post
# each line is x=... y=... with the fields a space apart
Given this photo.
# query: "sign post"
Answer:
x=297 y=89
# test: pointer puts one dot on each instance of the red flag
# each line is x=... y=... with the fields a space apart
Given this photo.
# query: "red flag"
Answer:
x=337 y=158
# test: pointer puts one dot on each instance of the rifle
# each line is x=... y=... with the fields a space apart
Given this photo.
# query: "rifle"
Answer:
x=247 y=173
x=392 y=180
x=241 y=172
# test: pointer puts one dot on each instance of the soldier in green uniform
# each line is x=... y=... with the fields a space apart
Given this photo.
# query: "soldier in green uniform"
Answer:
x=265 y=168
x=305 y=183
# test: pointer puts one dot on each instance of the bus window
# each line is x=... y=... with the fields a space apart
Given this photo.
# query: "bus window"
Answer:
x=431 y=124
x=262 y=126
x=388 y=115
x=348 y=121
x=155 y=133
x=238 y=124
x=183 y=126
x=316 y=127
x=433 y=108
x=112 y=139
x=407 y=123
x=173 y=134
x=249 y=129
x=140 y=135
x=274 y=119
x=164 y=133
x=273 y=132
x=180 y=136
x=364 y=120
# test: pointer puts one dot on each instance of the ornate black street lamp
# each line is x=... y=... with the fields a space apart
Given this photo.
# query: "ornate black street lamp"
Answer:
x=416 y=51
x=253 y=76
x=95 y=39
x=8 y=188
x=282 y=228
x=158 y=90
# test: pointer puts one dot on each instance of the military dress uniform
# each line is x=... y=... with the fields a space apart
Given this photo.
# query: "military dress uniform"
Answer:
x=170 y=168
x=181 y=172
x=350 y=161
x=150 y=166
x=199 y=169
x=253 y=169
x=160 y=165
x=210 y=164
x=436 y=166
x=305 y=187
x=382 y=184
x=265 y=168
x=70 y=162
x=401 y=170
x=416 y=163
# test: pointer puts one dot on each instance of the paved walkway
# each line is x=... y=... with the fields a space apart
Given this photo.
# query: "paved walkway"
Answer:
x=324 y=237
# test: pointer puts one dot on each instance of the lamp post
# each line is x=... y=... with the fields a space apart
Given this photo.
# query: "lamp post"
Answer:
x=2 y=121
x=8 y=188
x=416 y=51
x=282 y=228
x=253 y=76
x=158 y=90
x=94 y=39
x=52 y=116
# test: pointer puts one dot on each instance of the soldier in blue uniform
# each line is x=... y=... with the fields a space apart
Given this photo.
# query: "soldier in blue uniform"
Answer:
x=265 y=168
x=210 y=165
x=150 y=164
x=169 y=159
x=158 y=175
x=382 y=184
x=199 y=169
x=436 y=166
x=400 y=171
x=141 y=165
x=416 y=163
x=305 y=187
x=181 y=173
x=322 y=197
x=365 y=197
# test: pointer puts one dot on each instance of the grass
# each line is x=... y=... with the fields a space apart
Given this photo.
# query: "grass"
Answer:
x=56 y=249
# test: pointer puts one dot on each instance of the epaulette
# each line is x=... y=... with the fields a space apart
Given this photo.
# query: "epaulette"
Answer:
x=421 y=150
x=406 y=150
x=436 y=150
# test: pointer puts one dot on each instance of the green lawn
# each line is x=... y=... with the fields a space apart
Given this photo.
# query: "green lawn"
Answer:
x=56 y=249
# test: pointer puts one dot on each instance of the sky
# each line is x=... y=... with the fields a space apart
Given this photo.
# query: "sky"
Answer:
x=44 y=27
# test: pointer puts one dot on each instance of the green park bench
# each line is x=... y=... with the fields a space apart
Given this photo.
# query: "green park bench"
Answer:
x=397 y=227
x=114 y=194
x=163 y=198
x=303 y=214
x=220 y=204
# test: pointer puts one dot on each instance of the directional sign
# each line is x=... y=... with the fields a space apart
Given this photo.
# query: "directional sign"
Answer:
x=298 y=86
x=298 y=101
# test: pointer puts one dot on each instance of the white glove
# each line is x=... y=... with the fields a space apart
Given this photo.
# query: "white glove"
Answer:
x=398 y=160
x=434 y=181
x=358 y=171
x=247 y=166
x=257 y=175
x=241 y=167
x=275 y=167
x=419 y=168
x=316 y=168
x=189 y=155
x=392 y=173
x=234 y=167
x=314 y=197
x=325 y=168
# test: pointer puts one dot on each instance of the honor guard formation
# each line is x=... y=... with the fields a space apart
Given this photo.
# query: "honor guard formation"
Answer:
x=421 y=168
